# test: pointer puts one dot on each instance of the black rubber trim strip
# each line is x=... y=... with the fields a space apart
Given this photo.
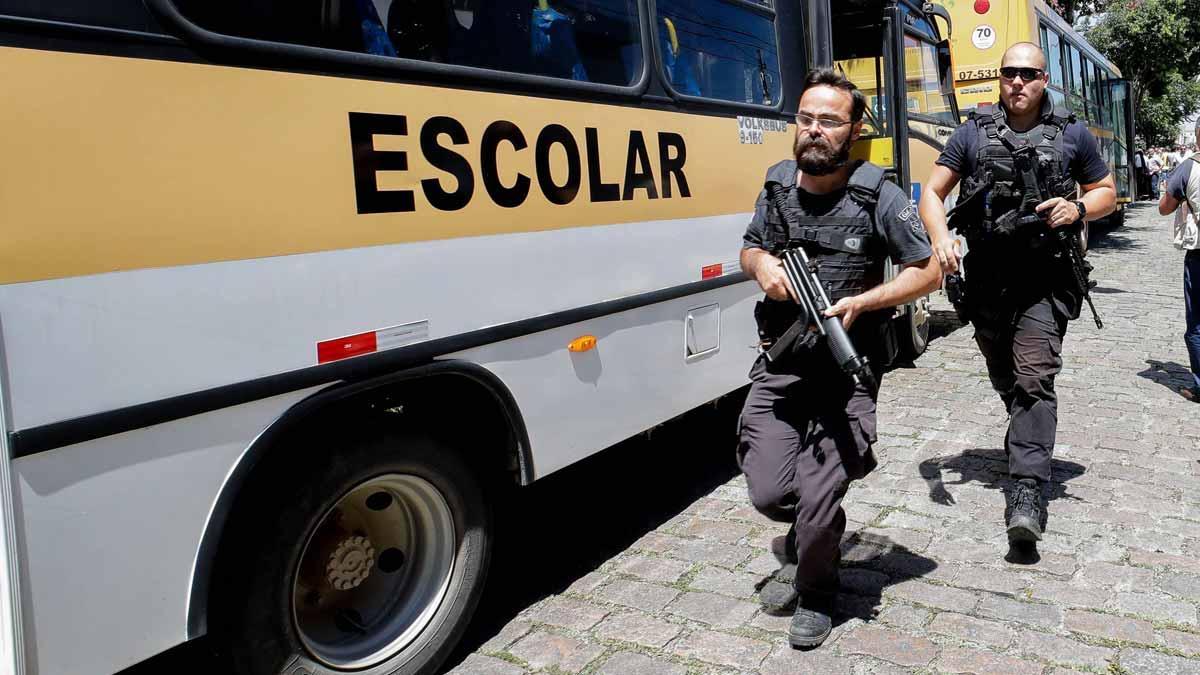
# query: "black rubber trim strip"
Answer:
x=33 y=440
x=85 y=30
x=927 y=139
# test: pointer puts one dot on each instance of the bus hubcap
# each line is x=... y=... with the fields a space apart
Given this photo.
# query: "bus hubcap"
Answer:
x=374 y=571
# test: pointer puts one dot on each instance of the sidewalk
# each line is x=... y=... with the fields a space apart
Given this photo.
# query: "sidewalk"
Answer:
x=926 y=584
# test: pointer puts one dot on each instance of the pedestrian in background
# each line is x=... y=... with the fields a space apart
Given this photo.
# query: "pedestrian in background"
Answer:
x=1154 y=167
x=1181 y=196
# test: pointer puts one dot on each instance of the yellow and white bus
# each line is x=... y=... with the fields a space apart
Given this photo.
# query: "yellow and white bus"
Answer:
x=1081 y=78
x=289 y=290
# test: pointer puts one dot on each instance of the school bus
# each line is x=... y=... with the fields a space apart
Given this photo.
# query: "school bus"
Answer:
x=289 y=291
x=1081 y=79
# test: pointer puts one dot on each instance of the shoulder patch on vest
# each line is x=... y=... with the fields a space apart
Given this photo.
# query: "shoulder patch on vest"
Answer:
x=909 y=216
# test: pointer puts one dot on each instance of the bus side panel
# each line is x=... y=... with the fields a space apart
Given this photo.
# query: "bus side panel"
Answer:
x=127 y=338
x=109 y=530
x=635 y=378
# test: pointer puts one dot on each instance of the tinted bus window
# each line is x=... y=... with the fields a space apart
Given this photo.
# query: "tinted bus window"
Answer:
x=721 y=50
x=1053 y=49
x=1076 y=71
x=581 y=40
x=858 y=53
x=923 y=86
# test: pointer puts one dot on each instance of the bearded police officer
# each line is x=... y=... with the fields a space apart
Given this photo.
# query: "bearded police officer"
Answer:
x=807 y=428
x=1019 y=283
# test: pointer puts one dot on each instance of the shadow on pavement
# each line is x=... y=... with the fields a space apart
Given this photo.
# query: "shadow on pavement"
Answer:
x=870 y=563
x=569 y=523
x=989 y=467
x=1169 y=374
x=1102 y=237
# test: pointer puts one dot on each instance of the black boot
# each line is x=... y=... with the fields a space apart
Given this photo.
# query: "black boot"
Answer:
x=812 y=621
x=1025 y=512
x=778 y=596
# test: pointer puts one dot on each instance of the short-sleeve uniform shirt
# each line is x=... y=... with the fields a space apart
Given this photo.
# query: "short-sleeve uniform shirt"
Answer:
x=1177 y=183
x=896 y=220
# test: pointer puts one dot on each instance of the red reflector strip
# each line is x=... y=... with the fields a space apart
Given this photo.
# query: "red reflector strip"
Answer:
x=710 y=271
x=345 y=347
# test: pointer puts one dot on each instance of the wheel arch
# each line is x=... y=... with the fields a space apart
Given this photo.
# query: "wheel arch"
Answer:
x=463 y=378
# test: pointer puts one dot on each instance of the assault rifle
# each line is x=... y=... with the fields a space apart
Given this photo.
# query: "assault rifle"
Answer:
x=811 y=296
x=1067 y=238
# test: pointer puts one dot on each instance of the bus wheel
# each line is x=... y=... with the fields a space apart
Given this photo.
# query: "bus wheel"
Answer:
x=368 y=558
x=912 y=329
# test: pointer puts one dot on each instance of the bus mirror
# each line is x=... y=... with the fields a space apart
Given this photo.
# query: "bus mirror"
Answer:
x=939 y=11
x=945 y=67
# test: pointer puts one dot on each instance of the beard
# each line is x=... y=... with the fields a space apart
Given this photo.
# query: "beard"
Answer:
x=818 y=156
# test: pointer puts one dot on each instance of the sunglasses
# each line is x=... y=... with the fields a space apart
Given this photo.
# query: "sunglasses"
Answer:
x=1027 y=74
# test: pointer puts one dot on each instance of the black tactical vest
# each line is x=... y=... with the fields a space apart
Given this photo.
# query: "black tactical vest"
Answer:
x=843 y=242
x=994 y=165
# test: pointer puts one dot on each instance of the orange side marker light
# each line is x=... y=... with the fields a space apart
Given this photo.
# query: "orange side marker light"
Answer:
x=582 y=343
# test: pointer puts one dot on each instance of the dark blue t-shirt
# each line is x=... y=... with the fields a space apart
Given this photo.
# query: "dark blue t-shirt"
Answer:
x=1081 y=153
x=1177 y=183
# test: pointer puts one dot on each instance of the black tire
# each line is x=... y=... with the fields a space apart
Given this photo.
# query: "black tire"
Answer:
x=273 y=528
x=912 y=329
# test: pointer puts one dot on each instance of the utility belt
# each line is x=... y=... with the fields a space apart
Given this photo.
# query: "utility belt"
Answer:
x=994 y=287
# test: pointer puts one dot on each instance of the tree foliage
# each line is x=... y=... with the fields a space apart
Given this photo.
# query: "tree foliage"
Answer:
x=1156 y=44
x=1073 y=9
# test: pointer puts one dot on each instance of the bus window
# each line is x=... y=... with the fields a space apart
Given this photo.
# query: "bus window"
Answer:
x=1052 y=47
x=1076 y=71
x=582 y=40
x=923 y=91
x=1086 y=69
x=721 y=50
x=858 y=53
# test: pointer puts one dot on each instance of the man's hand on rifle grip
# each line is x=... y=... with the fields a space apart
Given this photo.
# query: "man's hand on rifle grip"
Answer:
x=770 y=276
x=1058 y=212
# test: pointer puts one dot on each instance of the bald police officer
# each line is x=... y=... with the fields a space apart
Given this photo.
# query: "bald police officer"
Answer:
x=807 y=428
x=1018 y=282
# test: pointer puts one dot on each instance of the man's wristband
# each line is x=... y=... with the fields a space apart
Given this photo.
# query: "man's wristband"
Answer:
x=1081 y=207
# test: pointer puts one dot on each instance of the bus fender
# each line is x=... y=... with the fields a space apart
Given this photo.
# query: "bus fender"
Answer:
x=475 y=376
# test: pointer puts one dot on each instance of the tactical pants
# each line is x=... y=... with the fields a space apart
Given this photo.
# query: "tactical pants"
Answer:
x=1023 y=357
x=802 y=439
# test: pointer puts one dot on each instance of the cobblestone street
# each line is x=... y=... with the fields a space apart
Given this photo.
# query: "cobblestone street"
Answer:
x=926 y=583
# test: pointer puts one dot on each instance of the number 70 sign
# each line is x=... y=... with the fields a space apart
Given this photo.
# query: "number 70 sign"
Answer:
x=983 y=37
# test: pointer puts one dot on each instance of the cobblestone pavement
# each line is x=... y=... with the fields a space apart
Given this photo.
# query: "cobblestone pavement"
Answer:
x=926 y=583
